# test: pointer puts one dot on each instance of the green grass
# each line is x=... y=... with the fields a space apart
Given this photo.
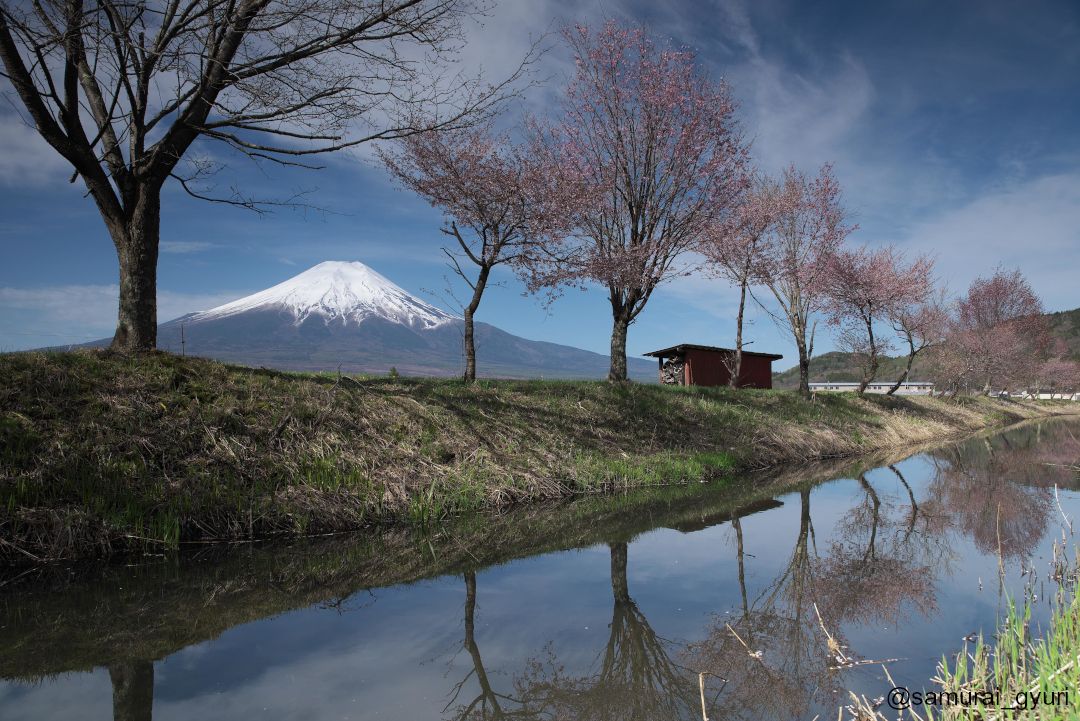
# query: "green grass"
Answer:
x=1039 y=677
x=100 y=451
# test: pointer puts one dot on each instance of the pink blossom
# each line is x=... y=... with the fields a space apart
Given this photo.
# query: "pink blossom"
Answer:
x=652 y=144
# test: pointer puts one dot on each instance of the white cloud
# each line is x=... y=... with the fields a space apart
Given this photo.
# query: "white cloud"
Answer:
x=1034 y=226
x=184 y=246
x=26 y=159
x=50 y=315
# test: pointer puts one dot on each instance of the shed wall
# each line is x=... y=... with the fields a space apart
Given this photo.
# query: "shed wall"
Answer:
x=707 y=368
x=756 y=372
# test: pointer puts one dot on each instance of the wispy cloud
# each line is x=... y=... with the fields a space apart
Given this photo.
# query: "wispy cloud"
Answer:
x=1034 y=226
x=26 y=159
x=184 y=246
x=47 y=315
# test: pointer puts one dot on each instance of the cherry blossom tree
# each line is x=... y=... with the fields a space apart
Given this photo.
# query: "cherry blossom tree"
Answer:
x=499 y=197
x=997 y=336
x=920 y=326
x=1056 y=372
x=733 y=246
x=795 y=259
x=654 y=139
x=131 y=94
x=865 y=287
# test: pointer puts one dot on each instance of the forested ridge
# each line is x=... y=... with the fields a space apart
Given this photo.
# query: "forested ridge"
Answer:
x=839 y=367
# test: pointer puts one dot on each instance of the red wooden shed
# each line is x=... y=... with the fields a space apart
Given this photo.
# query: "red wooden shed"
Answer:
x=703 y=365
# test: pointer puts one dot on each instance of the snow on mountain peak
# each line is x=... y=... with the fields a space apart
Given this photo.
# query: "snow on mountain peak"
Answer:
x=337 y=289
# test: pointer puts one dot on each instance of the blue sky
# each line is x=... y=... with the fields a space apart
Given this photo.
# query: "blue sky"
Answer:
x=952 y=126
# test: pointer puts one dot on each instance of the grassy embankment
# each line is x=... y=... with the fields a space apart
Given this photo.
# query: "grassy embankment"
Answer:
x=99 y=451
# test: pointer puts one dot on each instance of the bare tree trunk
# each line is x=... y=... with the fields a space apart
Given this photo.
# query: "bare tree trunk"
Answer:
x=804 y=367
x=486 y=694
x=871 y=549
x=868 y=375
x=133 y=690
x=734 y=380
x=806 y=350
x=914 y=505
x=907 y=370
x=136 y=242
x=470 y=311
x=618 y=347
x=737 y=525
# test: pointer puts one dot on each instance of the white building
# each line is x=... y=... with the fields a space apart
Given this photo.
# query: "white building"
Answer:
x=1028 y=395
x=912 y=388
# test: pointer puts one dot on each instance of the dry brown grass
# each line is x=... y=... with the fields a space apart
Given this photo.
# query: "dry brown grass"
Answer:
x=100 y=451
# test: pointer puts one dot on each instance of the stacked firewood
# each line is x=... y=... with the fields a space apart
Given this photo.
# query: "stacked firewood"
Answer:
x=674 y=372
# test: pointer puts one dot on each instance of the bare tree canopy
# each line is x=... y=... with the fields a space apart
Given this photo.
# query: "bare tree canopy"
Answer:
x=796 y=256
x=503 y=198
x=123 y=89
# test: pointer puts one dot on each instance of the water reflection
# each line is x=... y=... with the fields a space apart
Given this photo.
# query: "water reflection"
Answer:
x=890 y=541
x=1002 y=498
x=133 y=690
x=635 y=676
x=488 y=704
x=769 y=654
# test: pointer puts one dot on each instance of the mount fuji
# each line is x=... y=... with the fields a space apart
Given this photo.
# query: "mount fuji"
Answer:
x=342 y=313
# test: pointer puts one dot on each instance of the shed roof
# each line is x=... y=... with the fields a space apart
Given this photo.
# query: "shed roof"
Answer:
x=680 y=349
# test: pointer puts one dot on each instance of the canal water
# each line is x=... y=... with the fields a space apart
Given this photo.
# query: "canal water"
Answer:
x=602 y=608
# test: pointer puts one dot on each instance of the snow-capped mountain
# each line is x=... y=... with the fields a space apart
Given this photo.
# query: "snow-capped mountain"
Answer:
x=336 y=290
x=341 y=314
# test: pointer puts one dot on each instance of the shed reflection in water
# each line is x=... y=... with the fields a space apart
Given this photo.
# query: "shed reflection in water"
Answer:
x=892 y=565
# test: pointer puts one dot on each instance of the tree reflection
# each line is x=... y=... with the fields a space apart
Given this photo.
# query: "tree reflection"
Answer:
x=1000 y=500
x=771 y=655
x=634 y=677
x=133 y=690
x=487 y=704
x=877 y=565
x=769 y=659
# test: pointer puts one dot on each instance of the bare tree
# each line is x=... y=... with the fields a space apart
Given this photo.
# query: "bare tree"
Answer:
x=865 y=287
x=733 y=246
x=124 y=89
x=503 y=199
x=795 y=259
x=920 y=326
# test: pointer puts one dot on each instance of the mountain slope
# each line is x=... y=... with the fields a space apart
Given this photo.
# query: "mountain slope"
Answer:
x=347 y=315
x=346 y=292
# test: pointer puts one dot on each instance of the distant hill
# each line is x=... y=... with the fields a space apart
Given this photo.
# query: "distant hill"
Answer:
x=837 y=367
x=1066 y=325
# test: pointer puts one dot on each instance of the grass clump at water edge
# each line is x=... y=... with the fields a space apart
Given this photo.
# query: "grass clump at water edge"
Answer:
x=1019 y=675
